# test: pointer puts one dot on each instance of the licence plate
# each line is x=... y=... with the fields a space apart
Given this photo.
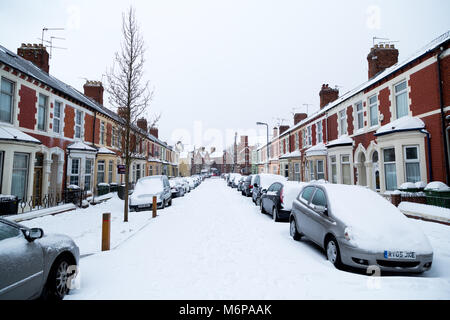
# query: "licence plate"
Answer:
x=403 y=255
x=142 y=206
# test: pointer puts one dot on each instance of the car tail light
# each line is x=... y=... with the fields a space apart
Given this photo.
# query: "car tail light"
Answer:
x=281 y=195
x=251 y=187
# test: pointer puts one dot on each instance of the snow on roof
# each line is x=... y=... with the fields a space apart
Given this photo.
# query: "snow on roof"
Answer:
x=13 y=134
x=80 y=146
x=342 y=140
x=293 y=154
x=406 y=123
x=317 y=150
x=427 y=48
x=104 y=150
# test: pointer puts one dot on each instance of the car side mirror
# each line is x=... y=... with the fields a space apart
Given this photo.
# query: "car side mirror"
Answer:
x=321 y=209
x=255 y=185
x=264 y=191
x=33 y=234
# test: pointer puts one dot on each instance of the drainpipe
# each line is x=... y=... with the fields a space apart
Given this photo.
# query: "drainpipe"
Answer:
x=441 y=102
x=93 y=129
x=430 y=167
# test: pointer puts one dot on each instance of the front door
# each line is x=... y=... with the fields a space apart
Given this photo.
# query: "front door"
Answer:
x=37 y=187
x=376 y=176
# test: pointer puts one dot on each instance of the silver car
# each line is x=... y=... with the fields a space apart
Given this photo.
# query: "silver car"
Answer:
x=33 y=265
x=359 y=228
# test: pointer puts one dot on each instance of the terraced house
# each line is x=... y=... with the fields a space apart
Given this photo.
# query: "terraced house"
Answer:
x=52 y=136
x=391 y=129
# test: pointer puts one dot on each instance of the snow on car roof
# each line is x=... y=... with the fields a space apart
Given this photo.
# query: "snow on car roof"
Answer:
x=375 y=223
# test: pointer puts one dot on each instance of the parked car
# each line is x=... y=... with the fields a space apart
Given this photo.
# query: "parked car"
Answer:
x=235 y=181
x=146 y=188
x=191 y=183
x=248 y=186
x=34 y=265
x=263 y=182
x=185 y=184
x=278 y=199
x=230 y=180
x=357 y=227
x=240 y=182
x=176 y=188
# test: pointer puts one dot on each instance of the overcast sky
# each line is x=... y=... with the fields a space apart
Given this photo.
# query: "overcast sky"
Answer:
x=220 y=66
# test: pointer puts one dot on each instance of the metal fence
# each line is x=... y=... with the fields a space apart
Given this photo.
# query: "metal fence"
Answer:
x=419 y=197
x=33 y=203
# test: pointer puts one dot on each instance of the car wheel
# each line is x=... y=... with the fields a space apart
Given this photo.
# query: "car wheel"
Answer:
x=163 y=204
x=56 y=287
x=258 y=201
x=170 y=203
x=275 y=214
x=333 y=253
x=261 y=207
x=293 y=231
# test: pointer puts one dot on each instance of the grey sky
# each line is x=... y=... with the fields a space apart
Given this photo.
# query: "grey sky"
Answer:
x=228 y=63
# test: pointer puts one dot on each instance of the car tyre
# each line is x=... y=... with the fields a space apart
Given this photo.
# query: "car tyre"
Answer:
x=333 y=252
x=293 y=231
x=275 y=216
x=56 y=287
x=261 y=207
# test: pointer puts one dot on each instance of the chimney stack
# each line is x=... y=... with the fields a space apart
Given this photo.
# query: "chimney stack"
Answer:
x=154 y=132
x=275 y=132
x=283 y=129
x=327 y=95
x=35 y=53
x=380 y=58
x=94 y=90
x=299 y=117
x=142 y=124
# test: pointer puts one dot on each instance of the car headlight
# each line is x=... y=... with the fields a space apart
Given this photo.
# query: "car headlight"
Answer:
x=348 y=235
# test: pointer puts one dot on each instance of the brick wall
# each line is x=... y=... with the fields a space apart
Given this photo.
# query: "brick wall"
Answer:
x=27 y=107
x=384 y=105
x=424 y=90
x=69 y=121
x=88 y=124
x=350 y=120
x=332 y=127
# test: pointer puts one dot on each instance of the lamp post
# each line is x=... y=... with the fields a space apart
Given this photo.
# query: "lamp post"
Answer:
x=267 y=145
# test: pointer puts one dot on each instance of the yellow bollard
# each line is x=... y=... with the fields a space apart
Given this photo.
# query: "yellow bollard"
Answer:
x=106 y=231
x=154 y=206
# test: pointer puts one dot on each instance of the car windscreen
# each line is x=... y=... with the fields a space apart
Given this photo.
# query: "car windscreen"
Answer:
x=149 y=186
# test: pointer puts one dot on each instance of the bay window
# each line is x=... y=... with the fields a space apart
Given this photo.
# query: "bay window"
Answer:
x=346 y=169
x=19 y=181
x=390 y=172
x=74 y=177
x=333 y=169
x=319 y=132
x=412 y=163
x=102 y=132
x=320 y=170
x=101 y=171
x=88 y=174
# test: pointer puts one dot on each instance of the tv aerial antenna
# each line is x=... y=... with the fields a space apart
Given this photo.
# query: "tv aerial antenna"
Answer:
x=386 y=40
x=51 y=39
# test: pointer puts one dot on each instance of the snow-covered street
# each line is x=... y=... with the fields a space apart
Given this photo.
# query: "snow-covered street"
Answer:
x=215 y=244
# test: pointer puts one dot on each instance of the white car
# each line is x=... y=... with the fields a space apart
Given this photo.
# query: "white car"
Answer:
x=146 y=188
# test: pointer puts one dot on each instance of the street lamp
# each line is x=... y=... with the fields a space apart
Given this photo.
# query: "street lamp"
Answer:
x=267 y=152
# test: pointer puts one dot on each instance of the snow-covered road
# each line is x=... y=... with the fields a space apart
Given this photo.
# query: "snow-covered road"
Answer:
x=215 y=244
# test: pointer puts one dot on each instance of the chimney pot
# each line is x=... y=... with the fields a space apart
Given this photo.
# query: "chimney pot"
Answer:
x=36 y=54
x=94 y=90
x=379 y=60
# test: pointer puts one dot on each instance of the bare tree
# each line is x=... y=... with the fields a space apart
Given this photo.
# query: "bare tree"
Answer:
x=128 y=91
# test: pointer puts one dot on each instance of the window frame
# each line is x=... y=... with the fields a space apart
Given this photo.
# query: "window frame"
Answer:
x=77 y=174
x=102 y=132
x=358 y=114
x=101 y=162
x=319 y=131
x=342 y=116
x=78 y=125
x=90 y=173
x=44 y=109
x=333 y=162
x=12 y=97
x=321 y=172
x=396 y=94
x=389 y=163
x=27 y=171
x=58 y=104
x=411 y=161
x=349 y=163
x=375 y=104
